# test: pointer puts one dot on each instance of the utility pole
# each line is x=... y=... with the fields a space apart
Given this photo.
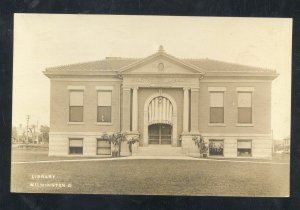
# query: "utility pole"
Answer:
x=27 y=118
x=37 y=131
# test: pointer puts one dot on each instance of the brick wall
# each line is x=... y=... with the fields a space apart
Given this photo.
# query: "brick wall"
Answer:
x=59 y=113
x=261 y=108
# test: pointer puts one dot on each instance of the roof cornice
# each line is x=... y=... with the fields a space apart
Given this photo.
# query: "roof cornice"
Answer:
x=60 y=73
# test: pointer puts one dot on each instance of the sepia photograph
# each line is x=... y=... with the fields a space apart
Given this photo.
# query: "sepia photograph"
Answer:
x=151 y=105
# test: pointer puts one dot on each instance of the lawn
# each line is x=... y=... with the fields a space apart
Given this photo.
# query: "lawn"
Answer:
x=19 y=155
x=163 y=177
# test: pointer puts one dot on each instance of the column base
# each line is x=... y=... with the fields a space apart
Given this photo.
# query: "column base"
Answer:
x=135 y=148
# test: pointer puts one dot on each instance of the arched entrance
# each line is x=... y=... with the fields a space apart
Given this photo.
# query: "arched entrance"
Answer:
x=160 y=120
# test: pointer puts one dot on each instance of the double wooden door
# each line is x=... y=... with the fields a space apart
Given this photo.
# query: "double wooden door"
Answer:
x=160 y=134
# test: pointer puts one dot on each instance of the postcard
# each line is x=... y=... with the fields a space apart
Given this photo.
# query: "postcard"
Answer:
x=151 y=105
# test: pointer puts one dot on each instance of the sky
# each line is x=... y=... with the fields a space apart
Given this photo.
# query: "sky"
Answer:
x=46 y=40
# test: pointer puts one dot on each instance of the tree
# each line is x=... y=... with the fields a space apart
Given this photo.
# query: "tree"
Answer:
x=44 y=135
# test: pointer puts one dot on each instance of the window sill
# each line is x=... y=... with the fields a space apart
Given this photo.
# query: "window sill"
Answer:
x=75 y=123
x=216 y=156
x=216 y=124
x=244 y=125
x=103 y=123
x=244 y=157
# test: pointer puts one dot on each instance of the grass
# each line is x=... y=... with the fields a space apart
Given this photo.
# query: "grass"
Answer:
x=19 y=155
x=162 y=177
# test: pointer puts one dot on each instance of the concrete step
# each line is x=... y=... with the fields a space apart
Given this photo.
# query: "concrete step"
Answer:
x=159 y=150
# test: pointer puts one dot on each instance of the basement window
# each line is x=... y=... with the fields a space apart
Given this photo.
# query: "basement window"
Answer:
x=75 y=146
x=103 y=147
x=244 y=148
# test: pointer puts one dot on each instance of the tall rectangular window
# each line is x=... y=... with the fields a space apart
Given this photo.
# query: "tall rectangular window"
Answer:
x=104 y=106
x=76 y=106
x=103 y=147
x=216 y=107
x=245 y=107
x=75 y=146
x=244 y=148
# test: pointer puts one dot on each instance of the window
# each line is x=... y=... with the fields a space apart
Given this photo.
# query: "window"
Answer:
x=216 y=147
x=76 y=106
x=103 y=147
x=244 y=148
x=245 y=107
x=216 y=107
x=104 y=106
x=75 y=146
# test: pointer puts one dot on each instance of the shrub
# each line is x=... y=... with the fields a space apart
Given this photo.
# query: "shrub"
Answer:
x=131 y=141
x=199 y=141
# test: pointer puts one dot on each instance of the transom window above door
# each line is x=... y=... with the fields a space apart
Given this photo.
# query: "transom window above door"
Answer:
x=160 y=110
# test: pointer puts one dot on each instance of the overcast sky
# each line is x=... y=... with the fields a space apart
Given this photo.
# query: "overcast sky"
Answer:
x=42 y=41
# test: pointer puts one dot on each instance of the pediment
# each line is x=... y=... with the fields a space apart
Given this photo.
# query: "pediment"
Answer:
x=161 y=63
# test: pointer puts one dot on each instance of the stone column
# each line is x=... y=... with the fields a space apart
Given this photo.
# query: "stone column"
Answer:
x=126 y=110
x=194 y=110
x=135 y=109
x=185 y=110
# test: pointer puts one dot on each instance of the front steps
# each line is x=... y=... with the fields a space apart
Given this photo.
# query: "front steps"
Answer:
x=159 y=150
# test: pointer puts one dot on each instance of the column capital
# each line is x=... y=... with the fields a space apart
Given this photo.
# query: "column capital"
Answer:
x=186 y=88
x=131 y=87
x=126 y=88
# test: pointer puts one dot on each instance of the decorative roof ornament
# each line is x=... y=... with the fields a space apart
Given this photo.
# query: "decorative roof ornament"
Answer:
x=161 y=49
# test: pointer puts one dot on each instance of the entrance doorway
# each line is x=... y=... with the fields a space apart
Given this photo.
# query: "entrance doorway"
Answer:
x=160 y=134
x=160 y=118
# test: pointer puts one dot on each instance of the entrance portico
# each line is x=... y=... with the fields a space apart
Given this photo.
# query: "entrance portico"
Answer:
x=158 y=73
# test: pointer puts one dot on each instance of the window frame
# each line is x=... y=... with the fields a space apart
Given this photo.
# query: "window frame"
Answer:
x=212 y=139
x=76 y=90
x=111 y=95
x=97 y=147
x=210 y=107
x=251 y=108
x=251 y=148
x=77 y=147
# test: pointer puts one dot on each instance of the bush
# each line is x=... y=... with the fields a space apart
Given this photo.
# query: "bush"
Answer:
x=199 y=141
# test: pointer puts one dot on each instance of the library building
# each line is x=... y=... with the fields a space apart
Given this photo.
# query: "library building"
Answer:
x=164 y=101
